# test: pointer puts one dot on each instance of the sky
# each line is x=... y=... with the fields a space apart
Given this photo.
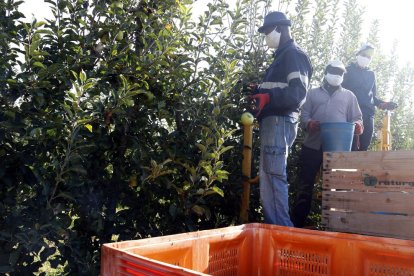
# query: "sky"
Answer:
x=396 y=23
x=395 y=17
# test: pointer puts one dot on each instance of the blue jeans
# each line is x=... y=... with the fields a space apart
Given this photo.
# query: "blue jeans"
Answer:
x=277 y=134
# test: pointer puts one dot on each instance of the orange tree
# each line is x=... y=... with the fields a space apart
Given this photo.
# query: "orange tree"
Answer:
x=119 y=120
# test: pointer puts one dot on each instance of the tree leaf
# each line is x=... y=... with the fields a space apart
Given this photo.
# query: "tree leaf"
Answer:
x=39 y=24
x=201 y=147
x=218 y=191
x=89 y=127
x=89 y=85
x=82 y=76
x=198 y=209
x=223 y=150
x=14 y=256
x=39 y=64
x=74 y=74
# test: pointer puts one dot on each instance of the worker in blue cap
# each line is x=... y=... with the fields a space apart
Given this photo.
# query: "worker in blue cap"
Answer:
x=278 y=99
x=361 y=81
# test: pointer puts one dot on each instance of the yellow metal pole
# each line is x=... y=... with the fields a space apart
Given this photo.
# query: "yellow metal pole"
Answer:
x=246 y=172
x=386 y=132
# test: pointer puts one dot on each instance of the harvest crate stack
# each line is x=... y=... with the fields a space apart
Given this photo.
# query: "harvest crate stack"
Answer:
x=369 y=193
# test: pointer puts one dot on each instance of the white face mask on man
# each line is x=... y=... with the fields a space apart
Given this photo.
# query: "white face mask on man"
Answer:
x=363 y=61
x=334 y=80
x=273 y=39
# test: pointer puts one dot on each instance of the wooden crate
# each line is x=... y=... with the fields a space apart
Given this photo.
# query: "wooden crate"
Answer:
x=369 y=193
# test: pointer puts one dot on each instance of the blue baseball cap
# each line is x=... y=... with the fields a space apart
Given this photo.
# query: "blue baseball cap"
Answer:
x=274 y=19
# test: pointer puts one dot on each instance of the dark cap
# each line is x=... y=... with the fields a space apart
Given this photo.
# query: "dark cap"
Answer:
x=274 y=19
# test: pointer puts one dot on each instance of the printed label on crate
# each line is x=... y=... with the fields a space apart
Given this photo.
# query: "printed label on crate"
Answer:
x=373 y=181
x=395 y=183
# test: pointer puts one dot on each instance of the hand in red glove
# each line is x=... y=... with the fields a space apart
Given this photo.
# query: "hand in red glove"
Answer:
x=313 y=126
x=388 y=106
x=359 y=128
x=261 y=101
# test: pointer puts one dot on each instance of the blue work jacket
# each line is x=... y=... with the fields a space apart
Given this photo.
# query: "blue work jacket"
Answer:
x=287 y=81
x=361 y=81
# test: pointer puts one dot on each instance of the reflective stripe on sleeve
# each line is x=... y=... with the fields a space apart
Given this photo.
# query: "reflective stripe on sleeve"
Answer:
x=270 y=85
x=297 y=75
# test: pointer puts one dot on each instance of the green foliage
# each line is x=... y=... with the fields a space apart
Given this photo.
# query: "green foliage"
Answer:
x=119 y=120
x=402 y=132
x=300 y=25
x=317 y=41
x=351 y=31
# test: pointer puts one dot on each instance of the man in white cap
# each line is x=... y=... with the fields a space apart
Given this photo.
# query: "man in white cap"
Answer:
x=361 y=81
x=279 y=98
x=328 y=103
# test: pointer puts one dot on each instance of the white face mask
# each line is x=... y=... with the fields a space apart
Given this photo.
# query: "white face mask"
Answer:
x=334 y=80
x=273 y=39
x=363 y=61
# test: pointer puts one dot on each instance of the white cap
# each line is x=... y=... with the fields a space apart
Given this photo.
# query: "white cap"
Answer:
x=366 y=46
x=337 y=64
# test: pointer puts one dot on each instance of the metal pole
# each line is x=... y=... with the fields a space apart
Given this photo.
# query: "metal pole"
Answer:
x=246 y=172
x=386 y=132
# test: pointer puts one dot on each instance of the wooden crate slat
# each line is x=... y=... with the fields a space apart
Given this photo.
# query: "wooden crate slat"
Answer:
x=367 y=202
x=370 y=224
x=371 y=160
x=398 y=179
x=357 y=183
x=384 y=175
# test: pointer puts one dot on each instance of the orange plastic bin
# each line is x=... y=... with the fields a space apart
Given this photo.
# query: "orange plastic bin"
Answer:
x=259 y=249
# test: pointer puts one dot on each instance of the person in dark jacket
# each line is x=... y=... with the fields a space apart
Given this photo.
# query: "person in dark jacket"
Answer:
x=361 y=81
x=279 y=98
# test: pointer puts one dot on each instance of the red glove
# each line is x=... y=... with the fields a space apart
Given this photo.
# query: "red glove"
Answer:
x=388 y=106
x=261 y=101
x=313 y=126
x=359 y=128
